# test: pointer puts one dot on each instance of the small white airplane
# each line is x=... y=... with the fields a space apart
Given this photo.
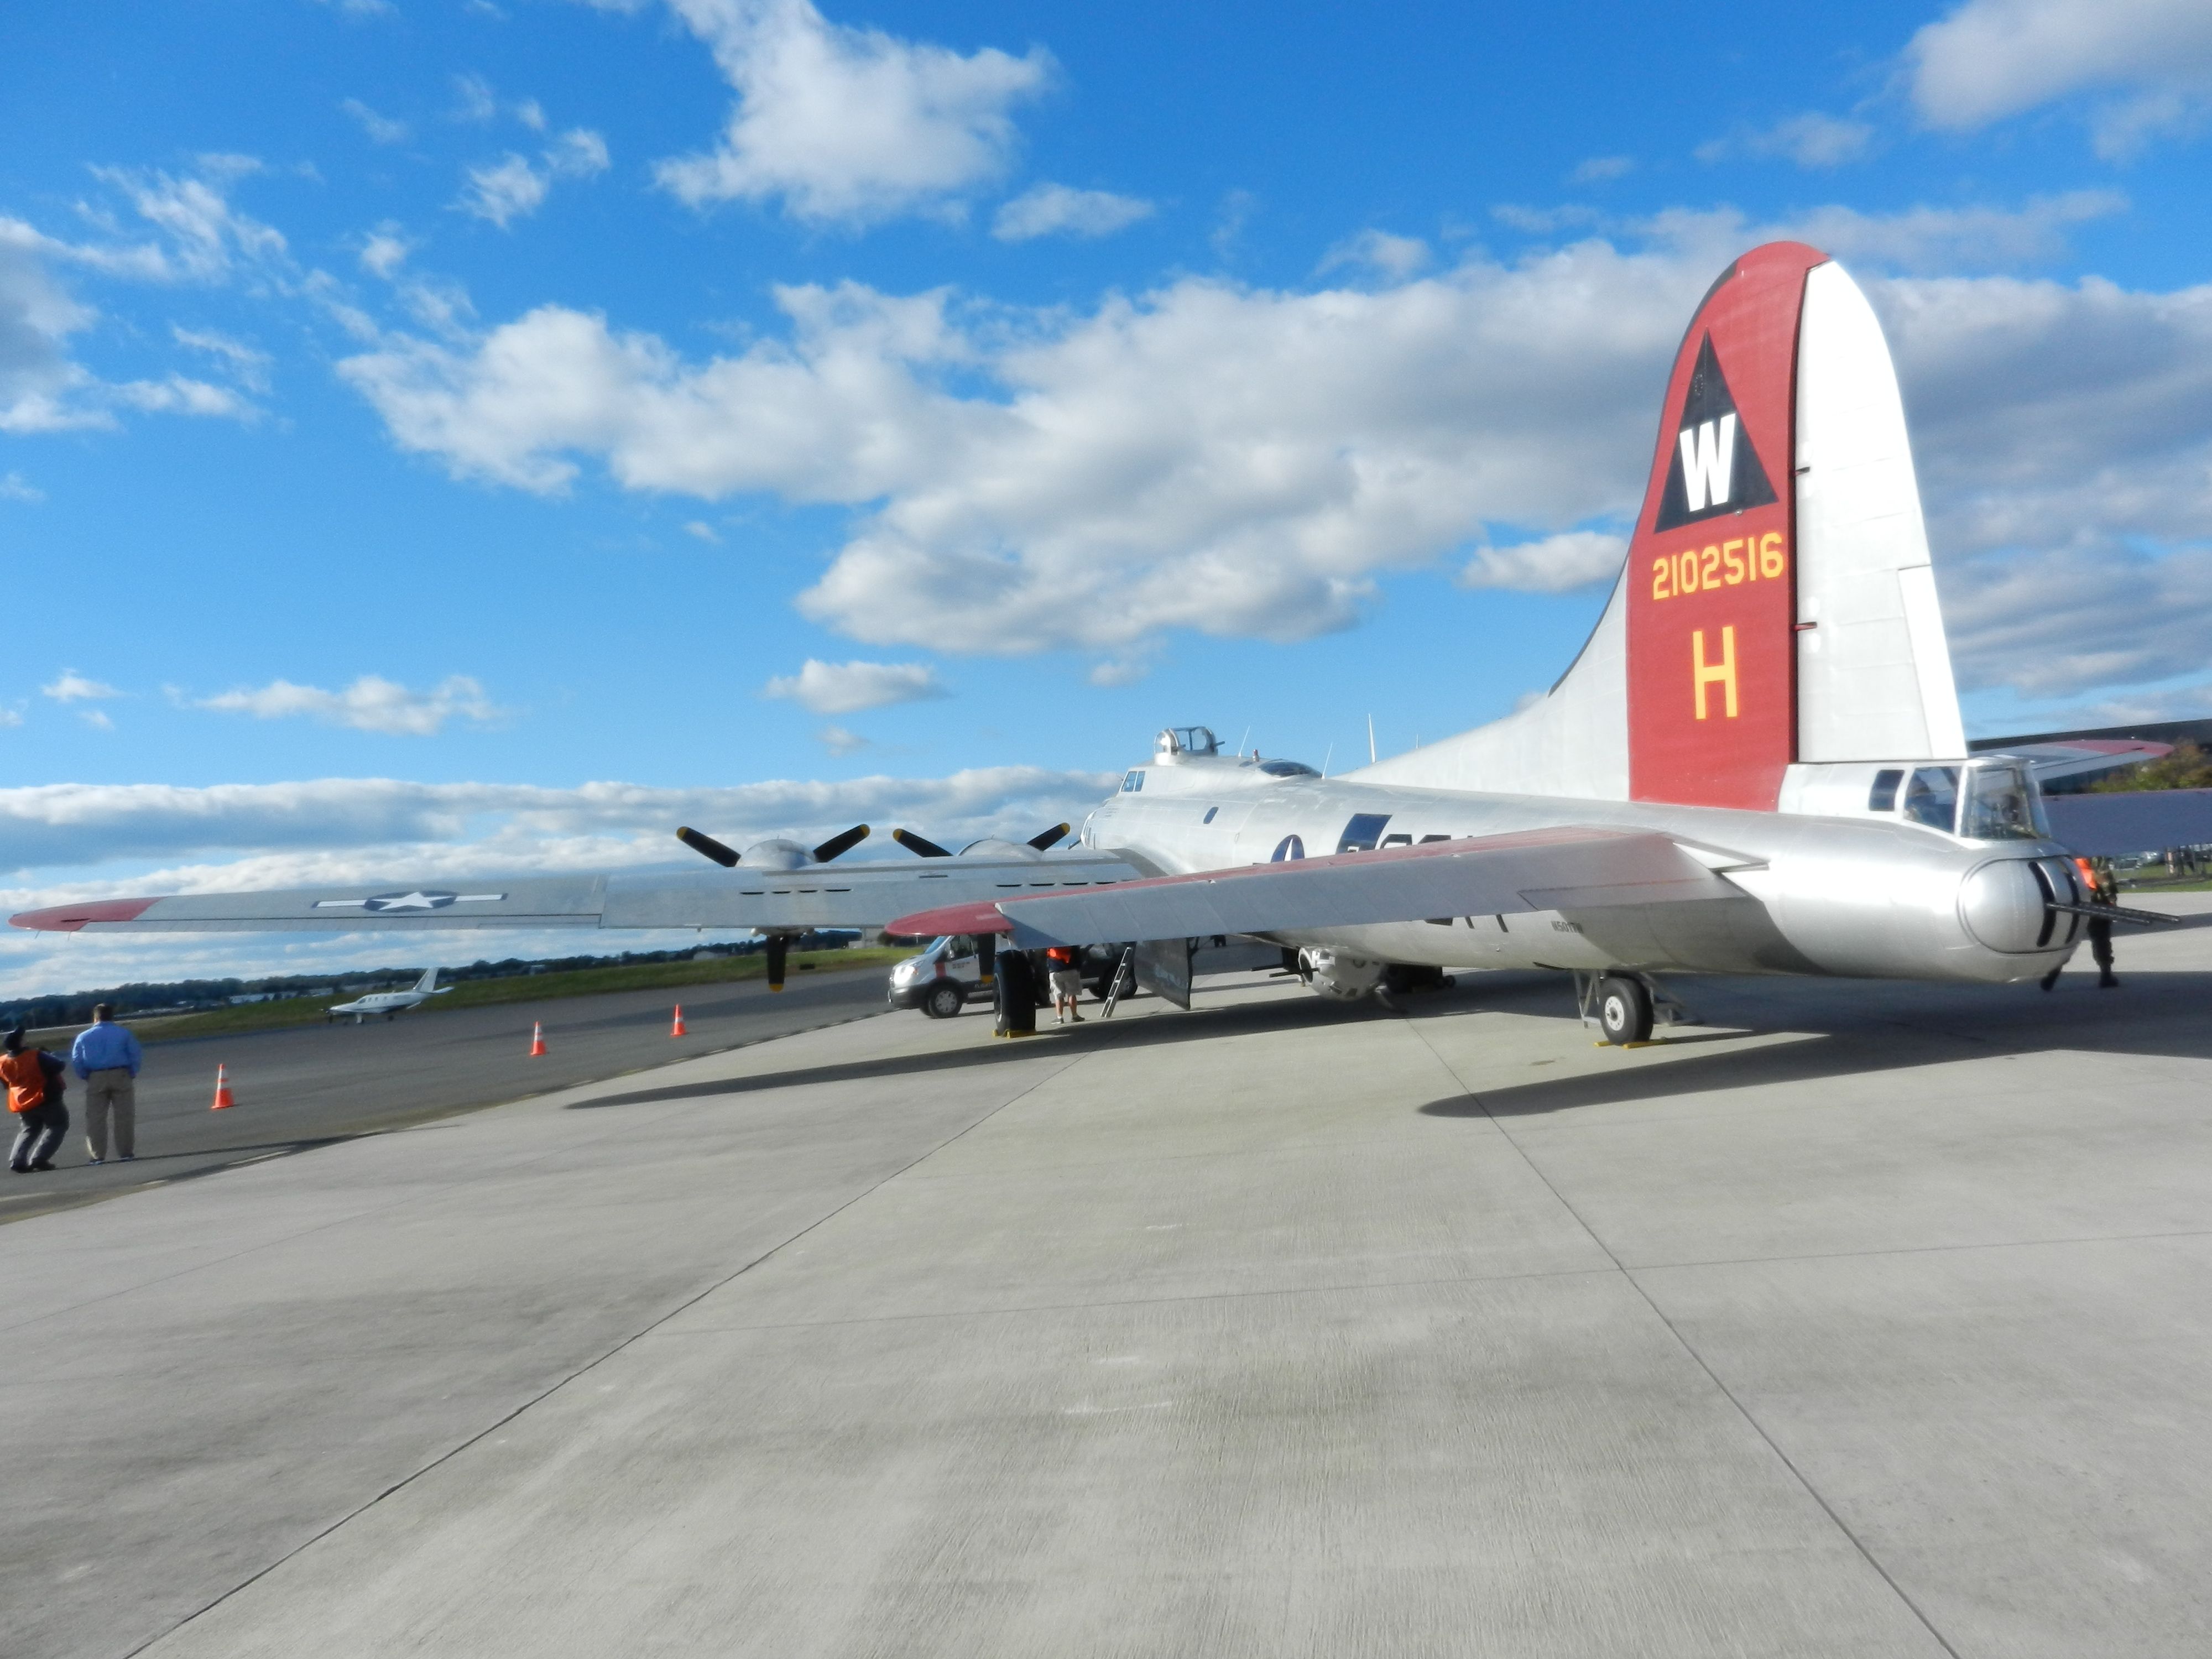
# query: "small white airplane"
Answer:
x=391 y=1004
x=1755 y=765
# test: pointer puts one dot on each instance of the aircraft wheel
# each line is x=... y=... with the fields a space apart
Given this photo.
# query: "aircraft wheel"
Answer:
x=1624 y=1010
x=945 y=1001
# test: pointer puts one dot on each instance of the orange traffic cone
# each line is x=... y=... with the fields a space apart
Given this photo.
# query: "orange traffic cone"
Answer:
x=536 y=1038
x=223 y=1102
x=676 y=1030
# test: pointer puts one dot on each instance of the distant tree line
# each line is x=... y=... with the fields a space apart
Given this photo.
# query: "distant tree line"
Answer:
x=2187 y=768
x=74 y=1007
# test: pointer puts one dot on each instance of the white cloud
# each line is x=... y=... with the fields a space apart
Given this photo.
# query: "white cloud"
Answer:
x=474 y=100
x=1395 y=258
x=1599 y=168
x=1574 y=558
x=848 y=124
x=1061 y=210
x=2146 y=64
x=179 y=394
x=381 y=129
x=504 y=191
x=513 y=188
x=532 y=114
x=69 y=686
x=371 y=704
x=1811 y=140
x=190 y=232
x=838 y=741
x=703 y=530
x=97 y=719
x=1108 y=671
x=1243 y=462
x=15 y=487
x=10 y=717
x=384 y=251
x=248 y=366
x=847 y=687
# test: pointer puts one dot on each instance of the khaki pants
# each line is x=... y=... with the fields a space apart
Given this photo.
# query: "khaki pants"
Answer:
x=111 y=1091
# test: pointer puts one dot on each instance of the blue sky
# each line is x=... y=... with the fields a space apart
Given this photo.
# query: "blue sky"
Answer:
x=437 y=437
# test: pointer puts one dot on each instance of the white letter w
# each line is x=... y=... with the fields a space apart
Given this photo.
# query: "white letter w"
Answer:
x=1708 y=459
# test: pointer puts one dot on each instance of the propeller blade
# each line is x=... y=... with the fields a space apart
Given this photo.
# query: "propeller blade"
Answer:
x=1050 y=838
x=707 y=845
x=919 y=844
x=844 y=843
x=779 y=952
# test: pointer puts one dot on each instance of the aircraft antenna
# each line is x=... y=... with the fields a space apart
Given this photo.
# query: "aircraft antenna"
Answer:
x=1324 y=760
x=1240 y=743
x=1371 y=739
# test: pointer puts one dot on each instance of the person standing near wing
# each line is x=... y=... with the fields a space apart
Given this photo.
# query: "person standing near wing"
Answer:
x=33 y=1079
x=1067 y=984
x=106 y=1056
x=2103 y=888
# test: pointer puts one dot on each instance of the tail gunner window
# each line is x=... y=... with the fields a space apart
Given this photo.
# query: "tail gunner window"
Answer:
x=1999 y=805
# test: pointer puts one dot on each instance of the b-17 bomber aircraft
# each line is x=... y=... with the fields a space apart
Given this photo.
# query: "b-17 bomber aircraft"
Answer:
x=1755 y=765
x=392 y=1004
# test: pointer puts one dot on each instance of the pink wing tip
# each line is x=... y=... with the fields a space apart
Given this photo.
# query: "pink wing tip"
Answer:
x=978 y=918
x=69 y=918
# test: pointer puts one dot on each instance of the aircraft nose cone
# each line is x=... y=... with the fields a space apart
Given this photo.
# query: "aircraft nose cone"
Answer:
x=2001 y=904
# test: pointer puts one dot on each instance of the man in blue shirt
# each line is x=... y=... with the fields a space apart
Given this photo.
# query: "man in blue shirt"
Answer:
x=107 y=1057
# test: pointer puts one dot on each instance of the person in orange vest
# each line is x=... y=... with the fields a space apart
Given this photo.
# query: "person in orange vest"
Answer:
x=1067 y=984
x=34 y=1080
x=2103 y=889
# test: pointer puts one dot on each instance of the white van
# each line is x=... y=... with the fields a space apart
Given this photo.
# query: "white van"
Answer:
x=948 y=976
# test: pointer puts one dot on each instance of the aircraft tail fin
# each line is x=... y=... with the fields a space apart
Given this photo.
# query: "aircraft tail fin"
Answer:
x=1777 y=605
x=429 y=982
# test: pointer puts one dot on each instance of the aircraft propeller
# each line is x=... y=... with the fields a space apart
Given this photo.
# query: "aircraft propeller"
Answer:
x=774 y=855
x=923 y=847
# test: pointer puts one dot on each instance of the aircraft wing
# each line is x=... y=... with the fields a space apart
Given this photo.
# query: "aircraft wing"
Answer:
x=834 y=895
x=2131 y=821
x=1568 y=868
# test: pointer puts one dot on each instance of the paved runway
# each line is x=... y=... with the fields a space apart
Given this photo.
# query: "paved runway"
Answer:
x=307 y=1087
x=1873 y=1319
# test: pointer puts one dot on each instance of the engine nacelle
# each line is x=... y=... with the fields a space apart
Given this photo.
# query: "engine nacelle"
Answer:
x=1336 y=975
x=775 y=855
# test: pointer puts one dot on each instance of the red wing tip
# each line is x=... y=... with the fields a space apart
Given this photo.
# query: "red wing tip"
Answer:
x=979 y=918
x=69 y=918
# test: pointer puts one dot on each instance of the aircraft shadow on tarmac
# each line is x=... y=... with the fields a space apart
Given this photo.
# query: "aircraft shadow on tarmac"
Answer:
x=1848 y=1028
x=1843 y=1027
x=1199 y=1024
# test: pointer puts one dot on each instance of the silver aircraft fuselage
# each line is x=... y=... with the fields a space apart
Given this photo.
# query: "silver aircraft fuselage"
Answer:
x=1871 y=897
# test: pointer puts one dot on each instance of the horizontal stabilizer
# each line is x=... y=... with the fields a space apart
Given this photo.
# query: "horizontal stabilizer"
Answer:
x=2134 y=821
x=1568 y=868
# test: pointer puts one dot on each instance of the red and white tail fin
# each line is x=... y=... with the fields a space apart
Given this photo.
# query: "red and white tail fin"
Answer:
x=1777 y=606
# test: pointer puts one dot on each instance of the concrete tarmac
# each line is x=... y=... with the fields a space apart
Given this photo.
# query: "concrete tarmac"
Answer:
x=1863 y=1320
x=308 y=1086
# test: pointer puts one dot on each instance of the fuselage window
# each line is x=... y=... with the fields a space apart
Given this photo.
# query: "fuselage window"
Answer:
x=1882 y=798
x=1210 y=812
x=1289 y=848
x=1932 y=797
x=1426 y=840
x=1397 y=841
x=1132 y=782
x=1362 y=832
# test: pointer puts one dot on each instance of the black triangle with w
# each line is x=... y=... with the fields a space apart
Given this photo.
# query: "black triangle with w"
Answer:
x=1720 y=471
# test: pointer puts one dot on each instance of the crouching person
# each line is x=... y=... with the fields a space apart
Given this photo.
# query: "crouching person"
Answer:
x=34 y=1082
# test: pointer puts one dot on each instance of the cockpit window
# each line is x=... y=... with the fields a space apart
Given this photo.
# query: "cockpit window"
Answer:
x=1932 y=797
x=1882 y=798
x=1999 y=805
x=1282 y=769
x=1132 y=782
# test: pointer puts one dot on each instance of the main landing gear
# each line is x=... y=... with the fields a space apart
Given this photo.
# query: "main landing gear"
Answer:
x=1625 y=1006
